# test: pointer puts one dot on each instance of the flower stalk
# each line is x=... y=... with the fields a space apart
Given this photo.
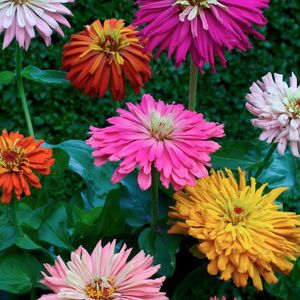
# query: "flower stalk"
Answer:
x=266 y=160
x=193 y=86
x=154 y=198
x=21 y=90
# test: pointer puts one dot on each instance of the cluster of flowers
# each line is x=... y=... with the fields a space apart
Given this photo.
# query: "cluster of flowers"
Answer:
x=241 y=230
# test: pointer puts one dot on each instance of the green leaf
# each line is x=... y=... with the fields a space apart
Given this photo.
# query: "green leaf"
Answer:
x=6 y=77
x=54 y=229
x=7 y=236
x=61 y=162
x=19 y=273
x=162 y=247
x=281 y=171
x=198 y=284
x=111 y=221
x=83 y=221
x=45 y=76
x=86 y=217
x=98 y=180
x=24 y=242
x=236 y=154
x=288 y=287
x=30 y=217
x=135 y=203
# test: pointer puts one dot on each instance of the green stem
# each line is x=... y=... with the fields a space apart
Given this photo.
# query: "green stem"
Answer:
x=193 y=86
x=21 y=90
x=266 y=160
x=15 y=217
x=154 y=197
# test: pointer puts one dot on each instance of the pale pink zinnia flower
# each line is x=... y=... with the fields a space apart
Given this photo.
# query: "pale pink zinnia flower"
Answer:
x=205 y=28
x=155 y=134
x=277 y=107
x=20 y=18
x=103 y=275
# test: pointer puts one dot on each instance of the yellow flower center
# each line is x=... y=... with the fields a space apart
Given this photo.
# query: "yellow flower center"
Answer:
x=20 y=1
x=161 y=127
x=12 y=157
x=110 y=39
x=101 y=289
x=293 y=106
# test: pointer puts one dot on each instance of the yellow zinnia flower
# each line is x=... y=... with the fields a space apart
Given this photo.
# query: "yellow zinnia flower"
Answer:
x=241 y=231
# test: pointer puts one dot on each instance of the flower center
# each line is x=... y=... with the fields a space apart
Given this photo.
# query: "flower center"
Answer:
x=236 y=213
x=200 y=3
x=293 y=106
x=161 y=127
x=192 y=8
x=101 y=289
x=12 y=157
x=238 y=210
x=110 y=39
x=20 y=1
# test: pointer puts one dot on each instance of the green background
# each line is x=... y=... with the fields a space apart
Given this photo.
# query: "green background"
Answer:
x=61 y=112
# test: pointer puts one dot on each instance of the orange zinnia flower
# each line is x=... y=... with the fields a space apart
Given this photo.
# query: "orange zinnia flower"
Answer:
x=103 y=56
x=19 y=157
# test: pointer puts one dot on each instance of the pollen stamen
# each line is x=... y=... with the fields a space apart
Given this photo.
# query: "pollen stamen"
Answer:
x=101 y=289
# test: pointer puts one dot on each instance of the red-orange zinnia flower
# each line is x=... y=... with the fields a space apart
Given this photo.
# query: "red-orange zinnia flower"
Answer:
x=103 y=56
x=19 y=157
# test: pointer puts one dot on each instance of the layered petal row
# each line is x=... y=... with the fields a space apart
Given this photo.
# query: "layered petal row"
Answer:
x=153 y=134
x=202 y=28
x=20 y=18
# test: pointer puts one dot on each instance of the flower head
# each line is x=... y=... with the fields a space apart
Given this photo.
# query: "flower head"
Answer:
x=155 y=134
x=105 y=55
x=20 y=18
x=104 y=275
x=205 y=28
x=20 y=157
x=241 y=230
x=277 y=107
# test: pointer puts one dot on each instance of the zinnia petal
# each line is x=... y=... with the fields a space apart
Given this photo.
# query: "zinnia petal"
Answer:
x=20 y=157
x=241 y=230
x=277 y=108
x=102 y=56
x=19 y=19
x=154 y=134
x=202 y=28
x=104 y=275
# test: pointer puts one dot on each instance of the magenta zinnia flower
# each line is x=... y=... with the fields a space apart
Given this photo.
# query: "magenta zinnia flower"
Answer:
x=277 y=107
x=20 y=18
x=103 y=275
x=205 y=28
x=155 y=134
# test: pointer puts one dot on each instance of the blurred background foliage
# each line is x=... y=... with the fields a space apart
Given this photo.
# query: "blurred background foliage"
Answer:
x=61 y=112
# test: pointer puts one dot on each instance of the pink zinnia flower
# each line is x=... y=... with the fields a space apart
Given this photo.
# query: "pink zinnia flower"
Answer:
x=103 y=275
x=20 y=18
x=205 y=28
x=155 y=134
x=277 y=107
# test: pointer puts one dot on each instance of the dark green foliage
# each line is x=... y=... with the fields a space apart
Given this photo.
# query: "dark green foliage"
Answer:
x=61 y=112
